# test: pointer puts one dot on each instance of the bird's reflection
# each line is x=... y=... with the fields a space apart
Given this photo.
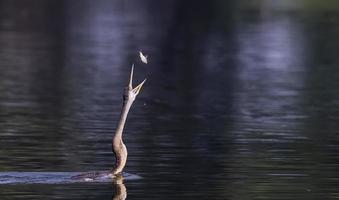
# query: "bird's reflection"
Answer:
x=120 y=189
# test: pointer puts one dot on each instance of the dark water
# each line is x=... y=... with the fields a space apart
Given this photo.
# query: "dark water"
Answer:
x=241 y=102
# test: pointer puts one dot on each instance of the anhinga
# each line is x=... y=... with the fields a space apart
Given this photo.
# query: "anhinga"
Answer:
x=118 y=147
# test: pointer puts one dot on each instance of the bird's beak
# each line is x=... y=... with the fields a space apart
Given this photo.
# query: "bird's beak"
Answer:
x=131 y=79
x=137 y=89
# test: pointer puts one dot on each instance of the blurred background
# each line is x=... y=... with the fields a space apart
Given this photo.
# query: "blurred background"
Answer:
x=241 y=101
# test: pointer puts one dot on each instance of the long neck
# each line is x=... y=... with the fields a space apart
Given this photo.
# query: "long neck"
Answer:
x=118 y=133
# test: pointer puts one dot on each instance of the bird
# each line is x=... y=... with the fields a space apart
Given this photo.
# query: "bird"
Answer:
x=118 y=147
x=143 y=57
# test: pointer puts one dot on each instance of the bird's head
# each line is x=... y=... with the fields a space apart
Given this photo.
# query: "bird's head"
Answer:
x=131 y=93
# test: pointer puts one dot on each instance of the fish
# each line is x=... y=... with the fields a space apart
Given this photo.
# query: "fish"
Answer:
x=143 y=57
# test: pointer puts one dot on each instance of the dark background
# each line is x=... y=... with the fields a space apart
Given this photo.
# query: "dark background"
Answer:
x=241 y=101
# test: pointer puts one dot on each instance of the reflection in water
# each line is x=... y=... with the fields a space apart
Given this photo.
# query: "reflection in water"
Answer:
x=120 y=189
x=267 y=104
x=269 y=76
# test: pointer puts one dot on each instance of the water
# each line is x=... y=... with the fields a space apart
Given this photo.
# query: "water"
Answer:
x=20 y=178
x=241 y=100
